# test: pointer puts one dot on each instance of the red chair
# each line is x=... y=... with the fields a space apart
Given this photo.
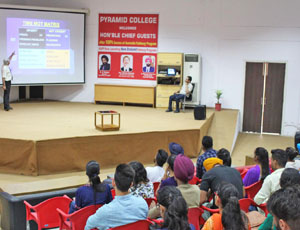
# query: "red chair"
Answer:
x=253 y=189
x=242 y=168
x=243 y=174
x=195 y=180
x=113 y=193
x=246 y=202
x=155 y=187
x=150 y=200
x=76 y=220
x=195 y=217
x=45 y=214
x=139 y=225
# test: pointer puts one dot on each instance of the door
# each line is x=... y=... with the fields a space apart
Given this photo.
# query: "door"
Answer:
x=253 y=96
x=263 y=101
x=274 y=98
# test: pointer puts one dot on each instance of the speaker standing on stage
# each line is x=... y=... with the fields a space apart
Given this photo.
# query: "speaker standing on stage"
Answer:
x=6 y=80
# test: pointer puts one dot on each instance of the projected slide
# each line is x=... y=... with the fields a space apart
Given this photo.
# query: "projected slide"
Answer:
x=41 y=44
x=49 y=46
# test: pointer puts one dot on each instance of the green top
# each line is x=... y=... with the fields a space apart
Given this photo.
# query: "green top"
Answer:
x=267 y=224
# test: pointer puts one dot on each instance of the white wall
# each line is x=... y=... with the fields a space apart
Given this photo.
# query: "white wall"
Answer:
x=227 y=33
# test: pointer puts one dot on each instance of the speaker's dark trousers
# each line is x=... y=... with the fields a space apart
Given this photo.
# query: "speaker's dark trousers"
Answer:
x=177 y=98
x=6 y=94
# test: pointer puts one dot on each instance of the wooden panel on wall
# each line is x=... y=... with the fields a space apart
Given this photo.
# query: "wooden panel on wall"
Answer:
x=125 y=94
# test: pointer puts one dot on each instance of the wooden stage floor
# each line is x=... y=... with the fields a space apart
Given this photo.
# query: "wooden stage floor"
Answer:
x=42 y=138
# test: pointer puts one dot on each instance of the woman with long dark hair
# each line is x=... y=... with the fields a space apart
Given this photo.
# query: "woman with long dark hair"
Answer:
x=261 y=170
x=230 y=217
x=92 y=193
x=141 y=184
x=173 y=209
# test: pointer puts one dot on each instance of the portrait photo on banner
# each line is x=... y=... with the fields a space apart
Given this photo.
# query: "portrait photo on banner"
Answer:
x=104 y=61
x=148 y=64
x=126 y=62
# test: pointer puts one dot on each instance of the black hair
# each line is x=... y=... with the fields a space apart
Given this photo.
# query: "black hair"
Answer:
x=176 y=215
x=289 y=176
x=92 y=171
x=280 y=156
x=224 y=155
x=171 y=160
x=207 y=142
x=263 y=159
x=140 y=173
x=285 y=204
x=232 y=217
x=291 y=153
x=124 y=177
x=161 y=157
x=105 y=57
x=190 y=78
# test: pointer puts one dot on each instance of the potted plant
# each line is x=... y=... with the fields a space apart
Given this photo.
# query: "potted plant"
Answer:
x=218 y=96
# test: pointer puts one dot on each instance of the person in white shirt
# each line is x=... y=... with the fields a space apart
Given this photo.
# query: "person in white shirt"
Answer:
x=271 y=182
x=292 y=162
x=126 y=64
x=156 y=173
x=6 y=80
x=185 y=90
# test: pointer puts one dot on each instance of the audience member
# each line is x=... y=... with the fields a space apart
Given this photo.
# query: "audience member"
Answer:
x=170 y=179
x=217 y=173
x=289 y=177
x=271 y=182
x=156 y=173
x=207 y=146
x=184 y=172
x=292 y=163
x=176 y=148
x=141 y=185
x=261 y=170
x=173 y=209
x=230 y=216
x=124 y=209
x=224 y=155
x=284 y=205
x=93 y=193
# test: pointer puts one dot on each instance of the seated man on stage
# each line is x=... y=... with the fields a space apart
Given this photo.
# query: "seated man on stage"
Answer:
x=185 y=90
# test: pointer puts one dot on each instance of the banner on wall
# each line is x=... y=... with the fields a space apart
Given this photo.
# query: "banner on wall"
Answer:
x=127 y=46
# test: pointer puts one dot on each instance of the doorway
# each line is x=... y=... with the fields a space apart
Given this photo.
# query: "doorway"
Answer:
x=263 y=101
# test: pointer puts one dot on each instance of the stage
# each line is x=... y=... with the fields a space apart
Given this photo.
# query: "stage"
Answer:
x=43 y=138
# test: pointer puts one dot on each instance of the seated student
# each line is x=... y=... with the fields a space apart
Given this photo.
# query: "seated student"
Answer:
x=230 y=216
x=156 y=173
x=93 y=193
x=170 y=179
x=207 y=146
x=184 y=172
x=261 y=170
x=173 y=209
x=175 y=148
x=271 y=182
x=217 y=173
x=289 y=177
x=224 y=155
x=292 y=163
x=141 y=185
x=124 y=209
x=284 y=205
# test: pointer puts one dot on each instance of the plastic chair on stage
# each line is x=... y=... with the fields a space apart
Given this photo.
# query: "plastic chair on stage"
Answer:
x=195 y=217
x=253 y=189
x=246 y=202
x=45 y=214
x=76 y=220
x=187 y=99
x=150 y=200
x=139 y=225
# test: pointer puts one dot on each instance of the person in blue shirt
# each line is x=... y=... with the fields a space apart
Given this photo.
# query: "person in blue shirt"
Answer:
x=93 y=193
x=125 y=208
